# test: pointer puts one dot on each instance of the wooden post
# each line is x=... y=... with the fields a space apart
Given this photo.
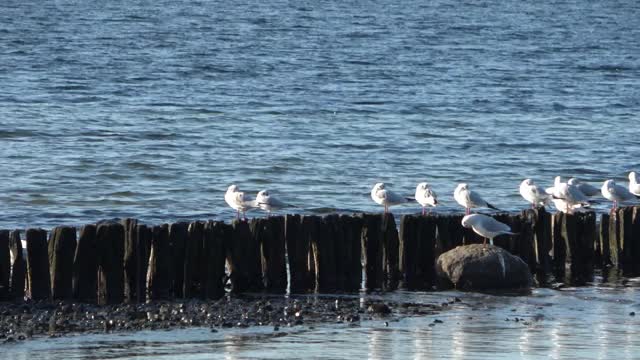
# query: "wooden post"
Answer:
x=409 y=262
x=372 y=250
x=192 y=263
x=243 y=259
x=297 y=240
x=110 y=244
x=159 y=264
x=352 y=252
x=178 y=235
x=525 y=240
x=635 y=241
x=5 y=265
x=130 y=257
x=582 y=252
x=456 y=230
x=215 y=235
x=390 y=252
x=322 y=243
x=443 y=240
x=558 y=243
x=614 y=239
x=625 y=238
x=85 y=266
x=269 y=234
x=62 y=248
x=18 y=268
x=39 y=282
x=142 y=246
x=570 y=222
x=543 y=240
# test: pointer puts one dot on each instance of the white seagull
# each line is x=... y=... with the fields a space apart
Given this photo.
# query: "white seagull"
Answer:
x=533 y=193
x=634 y=187
x=486 y=226
x=236 y=199
x=425 y=196
x=570 y=194
x=587 y=189
x=469 y=198
x=386 y=197
x=616 y=193
x=268 y=202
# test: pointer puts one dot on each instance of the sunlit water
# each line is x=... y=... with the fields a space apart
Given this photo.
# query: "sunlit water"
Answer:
x=575 y=323
x=151 y=109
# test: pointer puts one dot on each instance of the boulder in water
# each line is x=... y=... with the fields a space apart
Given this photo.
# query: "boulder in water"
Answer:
x=479 y=267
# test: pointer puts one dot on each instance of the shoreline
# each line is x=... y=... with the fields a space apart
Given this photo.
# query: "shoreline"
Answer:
x=22 y=321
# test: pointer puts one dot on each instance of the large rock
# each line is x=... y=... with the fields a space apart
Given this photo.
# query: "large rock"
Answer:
x=476 y=267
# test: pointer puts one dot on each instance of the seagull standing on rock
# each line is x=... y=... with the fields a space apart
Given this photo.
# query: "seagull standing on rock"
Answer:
x=237 y=201
x=425 y=196
x=385 y=197
x=486 y=226
x=470 y=199
x=616 y=193
x=533 y=193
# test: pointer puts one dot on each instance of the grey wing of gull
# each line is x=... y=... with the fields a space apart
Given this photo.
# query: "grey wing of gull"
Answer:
x=276 y=203
x=492 y=225
x=622 y=192
x=588 y=189
x=395 y=198
x=475 y=199
x=576 y=195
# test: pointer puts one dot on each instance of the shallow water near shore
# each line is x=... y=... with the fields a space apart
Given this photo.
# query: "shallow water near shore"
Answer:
x=588 y=323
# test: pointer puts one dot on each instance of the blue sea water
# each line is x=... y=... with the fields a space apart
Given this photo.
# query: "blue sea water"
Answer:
x=151 y=109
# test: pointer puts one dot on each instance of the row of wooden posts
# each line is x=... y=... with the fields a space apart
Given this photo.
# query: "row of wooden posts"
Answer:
x=133 y=262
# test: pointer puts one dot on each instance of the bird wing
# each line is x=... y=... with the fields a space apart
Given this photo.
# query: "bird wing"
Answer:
x=275 y=202
x=588 y=190
x=475 y=199
x=492 y=225
x=575 y=195
x=394 y=198
x=621 y=192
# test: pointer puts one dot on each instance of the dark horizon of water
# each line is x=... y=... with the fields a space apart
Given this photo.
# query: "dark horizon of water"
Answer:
x=151 y=109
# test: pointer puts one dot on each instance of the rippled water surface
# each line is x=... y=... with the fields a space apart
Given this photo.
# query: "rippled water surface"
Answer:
x=573 y=323
x=152 y=108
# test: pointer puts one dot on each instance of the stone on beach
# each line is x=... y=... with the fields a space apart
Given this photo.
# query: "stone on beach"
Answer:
x=476 y=267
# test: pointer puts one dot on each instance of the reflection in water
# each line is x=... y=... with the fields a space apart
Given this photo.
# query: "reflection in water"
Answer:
x=423 y=344
x=380 y=344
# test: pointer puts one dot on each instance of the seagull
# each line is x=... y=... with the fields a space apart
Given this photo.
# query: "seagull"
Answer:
x=268 y=202
x=586 y=189
x=236 y=199
x=486 y=226
x=569 y=193
x=616 y=193
x=425 y=196
x=386 y=197
x=562 y=205
x=533 y=193
x=634 y=187
x=470 y=199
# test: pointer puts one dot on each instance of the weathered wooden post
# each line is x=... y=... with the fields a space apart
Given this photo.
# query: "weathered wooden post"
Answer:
x=130 y=257
x=142 y=246
x=323 y=247
x=297 y=240
x=215 y=235
x=269 y=233
x=85 y=266
x=444 y=242
x=625 y=238
x=351 y=253
x=558 y=243
x=5 y=265
x=243 y=257
x=635 y=241
x=409 y=252
x=614 y=238
x=456 y=230
x=18 y=268
x=39 y=282
x=582 y=251
x=158 y=282
x=110 y=244
x=192 y=262
x=178 y=235
x=62 y=248
x=372 y=250
x=543 y=240
x=390 y=252
x=602 y=255
x=525 y=240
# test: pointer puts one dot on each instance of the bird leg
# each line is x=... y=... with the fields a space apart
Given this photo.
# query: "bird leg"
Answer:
x=238 y=214
x=467 y=211
x=386 y=208
x=423 y=211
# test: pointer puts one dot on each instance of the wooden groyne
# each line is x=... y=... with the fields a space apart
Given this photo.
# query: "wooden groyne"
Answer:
x=127 y=261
